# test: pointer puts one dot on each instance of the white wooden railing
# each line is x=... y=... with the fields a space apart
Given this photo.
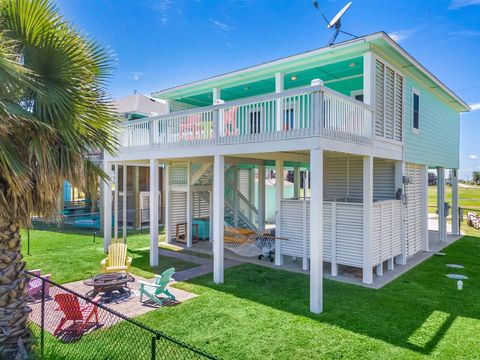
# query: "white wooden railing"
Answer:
x=342 y=231
x=386 y=231
x=308 y=111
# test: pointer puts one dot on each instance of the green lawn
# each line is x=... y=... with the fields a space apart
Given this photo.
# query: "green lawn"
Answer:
x=262 y=313
x=468 y=197
x=72 y=256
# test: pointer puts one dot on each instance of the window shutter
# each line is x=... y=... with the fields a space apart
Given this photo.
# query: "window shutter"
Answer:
x=379 y=95
x=388 y=102
x=398 y=107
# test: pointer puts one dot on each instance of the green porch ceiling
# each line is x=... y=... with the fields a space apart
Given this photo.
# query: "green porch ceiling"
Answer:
x=343 y=76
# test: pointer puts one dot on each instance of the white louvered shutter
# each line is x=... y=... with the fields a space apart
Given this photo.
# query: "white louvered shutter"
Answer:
x=379 y=96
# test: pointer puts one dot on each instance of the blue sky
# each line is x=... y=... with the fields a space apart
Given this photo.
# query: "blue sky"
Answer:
x=161 y=43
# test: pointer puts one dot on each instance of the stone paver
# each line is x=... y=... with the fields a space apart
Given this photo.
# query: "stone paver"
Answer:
x=129 y=306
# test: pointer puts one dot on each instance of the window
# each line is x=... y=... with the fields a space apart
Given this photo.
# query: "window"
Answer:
x=357 y=95
x=288 y=119
x=416 y=110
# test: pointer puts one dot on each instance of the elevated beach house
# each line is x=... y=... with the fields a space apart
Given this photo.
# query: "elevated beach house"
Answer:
x=357 y=125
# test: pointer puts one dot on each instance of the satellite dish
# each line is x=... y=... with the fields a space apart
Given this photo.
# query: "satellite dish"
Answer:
x=336 y=22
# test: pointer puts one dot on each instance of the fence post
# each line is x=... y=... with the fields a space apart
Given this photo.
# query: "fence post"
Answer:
x=42 y=322
x=28 y=242
x=154 y=344
x=141 y=220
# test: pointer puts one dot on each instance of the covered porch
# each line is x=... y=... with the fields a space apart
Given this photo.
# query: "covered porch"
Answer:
x=356 y=235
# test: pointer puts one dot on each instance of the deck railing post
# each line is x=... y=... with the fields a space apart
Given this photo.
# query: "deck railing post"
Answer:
x=216 y=125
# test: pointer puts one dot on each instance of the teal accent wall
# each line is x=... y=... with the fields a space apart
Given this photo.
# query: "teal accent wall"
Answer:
x=437 y=142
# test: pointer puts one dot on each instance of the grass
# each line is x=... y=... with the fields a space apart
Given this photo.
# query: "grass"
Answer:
x=72 y=256
x=468 y=197
x=262 y=313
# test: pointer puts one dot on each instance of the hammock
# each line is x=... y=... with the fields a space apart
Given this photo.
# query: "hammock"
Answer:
x=249 y=243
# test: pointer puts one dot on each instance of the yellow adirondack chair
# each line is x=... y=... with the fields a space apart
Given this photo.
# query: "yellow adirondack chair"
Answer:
x=117 y=260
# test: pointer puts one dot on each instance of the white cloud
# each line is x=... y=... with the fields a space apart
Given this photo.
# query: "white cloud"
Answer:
x=221 y=26
x=136 y=75
x=164 y=7
x=473 y=157
x=402 y=35
x=458 y=4
x=475 y=107
x=465 y=33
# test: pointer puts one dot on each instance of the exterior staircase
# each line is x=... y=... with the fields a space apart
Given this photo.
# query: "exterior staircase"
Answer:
x=246 y=215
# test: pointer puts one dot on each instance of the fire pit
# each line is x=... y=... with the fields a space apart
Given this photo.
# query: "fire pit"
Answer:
x=107 y=284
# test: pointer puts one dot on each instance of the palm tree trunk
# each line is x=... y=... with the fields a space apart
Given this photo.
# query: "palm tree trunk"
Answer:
x=14 y=311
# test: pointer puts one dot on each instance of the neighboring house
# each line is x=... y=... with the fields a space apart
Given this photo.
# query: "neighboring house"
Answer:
x=363 y=119
x=138 y=106
x=134 y=107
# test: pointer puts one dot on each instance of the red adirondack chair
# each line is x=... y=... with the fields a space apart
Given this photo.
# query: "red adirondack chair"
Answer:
x=190 y=129
x=80 y=315
x=34 y=286
x=230 y=122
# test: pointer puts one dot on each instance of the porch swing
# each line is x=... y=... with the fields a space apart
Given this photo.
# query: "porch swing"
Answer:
x=250 y=243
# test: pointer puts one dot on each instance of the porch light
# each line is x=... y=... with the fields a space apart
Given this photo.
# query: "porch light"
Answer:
x=293 y=77
x=246 y=88
x=352 y=64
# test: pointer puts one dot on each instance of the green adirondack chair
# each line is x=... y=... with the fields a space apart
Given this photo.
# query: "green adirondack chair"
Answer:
x=159 y=287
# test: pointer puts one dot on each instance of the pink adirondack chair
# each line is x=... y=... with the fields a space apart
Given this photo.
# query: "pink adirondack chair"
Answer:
x=230 y=122
x=34 y=286
x=72 y=311
x=190 y=129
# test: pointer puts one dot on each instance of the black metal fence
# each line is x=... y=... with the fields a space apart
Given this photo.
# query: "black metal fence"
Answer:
x=68 y=325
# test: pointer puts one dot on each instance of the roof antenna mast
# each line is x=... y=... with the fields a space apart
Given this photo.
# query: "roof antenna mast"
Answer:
x=335 y=23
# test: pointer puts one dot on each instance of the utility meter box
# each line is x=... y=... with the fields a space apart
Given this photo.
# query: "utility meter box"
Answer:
x=446 y=209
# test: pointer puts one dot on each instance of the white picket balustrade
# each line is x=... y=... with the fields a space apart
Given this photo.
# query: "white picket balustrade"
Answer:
x=303 y=112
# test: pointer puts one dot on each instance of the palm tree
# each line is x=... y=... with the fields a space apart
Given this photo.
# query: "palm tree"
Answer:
x=53 y=110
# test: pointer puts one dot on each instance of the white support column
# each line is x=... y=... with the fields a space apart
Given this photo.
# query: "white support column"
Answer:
x=168 y=104
x=334 y=265
x=124 y=202
x=367 y=218
x=189 y=233
x=218 y=217
x=136 y=197
x=455 y=208
x=261 y=197
x=210 y=220
x=216 y=95
x=107 y=207
x=442 y=221
x=425 y=243
x=379 y=269
x=278 y=89
x=167 y=195
x=153 y=212
x=369 y=78
x=316 y=231
x=399 y=173
x=115 y=225
x=279 y=182
x=296 y=182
